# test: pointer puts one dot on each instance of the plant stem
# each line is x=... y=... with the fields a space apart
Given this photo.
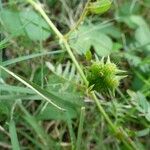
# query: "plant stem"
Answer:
x=124 y=137
x=61 y=38
x=103 y=111
x=43 y=14
x=75 y=62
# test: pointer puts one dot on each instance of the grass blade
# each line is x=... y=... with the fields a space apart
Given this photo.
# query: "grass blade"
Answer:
x=23 y=58
x=31 y=87
x=80 y=129
x=71 y=132
x=47 y=142
x=15 y=89
x=13 y=135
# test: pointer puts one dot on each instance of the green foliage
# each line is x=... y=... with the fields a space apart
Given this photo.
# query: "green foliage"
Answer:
x=25 y=23
x=91 y=35
x=44 y=103
x=13 y=135
x=4 y=112
x=12 y=21
x=142 y=33
x=142 y=105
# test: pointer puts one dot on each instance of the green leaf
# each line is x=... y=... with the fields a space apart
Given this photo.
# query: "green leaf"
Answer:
x=112 y=31
x=27 y=57
x=61 y=101
x=143 y=132
x=117 y=46
x=80 y=128
x=60 y=84
x=3 y=43
x=4 y=111
x=141 y=103
x=30 y=85
x=25 y=23
x=35 y=25
x=91 y=35
x=16 y=89
x=51 y=112
x=13 y=136
x=12 y=22
x=133 y=59
x=100 y=6
x=43 y=136
x=142 y=33
x=71 y=101
x=125 y=10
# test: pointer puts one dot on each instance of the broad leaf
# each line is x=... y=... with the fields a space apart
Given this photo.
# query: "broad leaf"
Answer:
x=91 y=35
x=11 y=21
x=25 y=23
x=35 y=25
x=141 y=104
x=142 y=33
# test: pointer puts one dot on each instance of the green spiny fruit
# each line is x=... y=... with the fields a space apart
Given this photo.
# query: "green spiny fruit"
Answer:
x=104 y=77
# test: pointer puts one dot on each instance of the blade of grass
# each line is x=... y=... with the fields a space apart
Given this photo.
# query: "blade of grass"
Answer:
x=31 y=87
x=80 y=129
x=27 y=136
x=23 y=58
x=16 y=89
x=13 y=135
x=31 y=120
x=3 y=43
x=21 y=96
x=72 y=135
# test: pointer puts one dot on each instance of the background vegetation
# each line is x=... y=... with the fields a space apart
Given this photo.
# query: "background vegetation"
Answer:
x=38 y=78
